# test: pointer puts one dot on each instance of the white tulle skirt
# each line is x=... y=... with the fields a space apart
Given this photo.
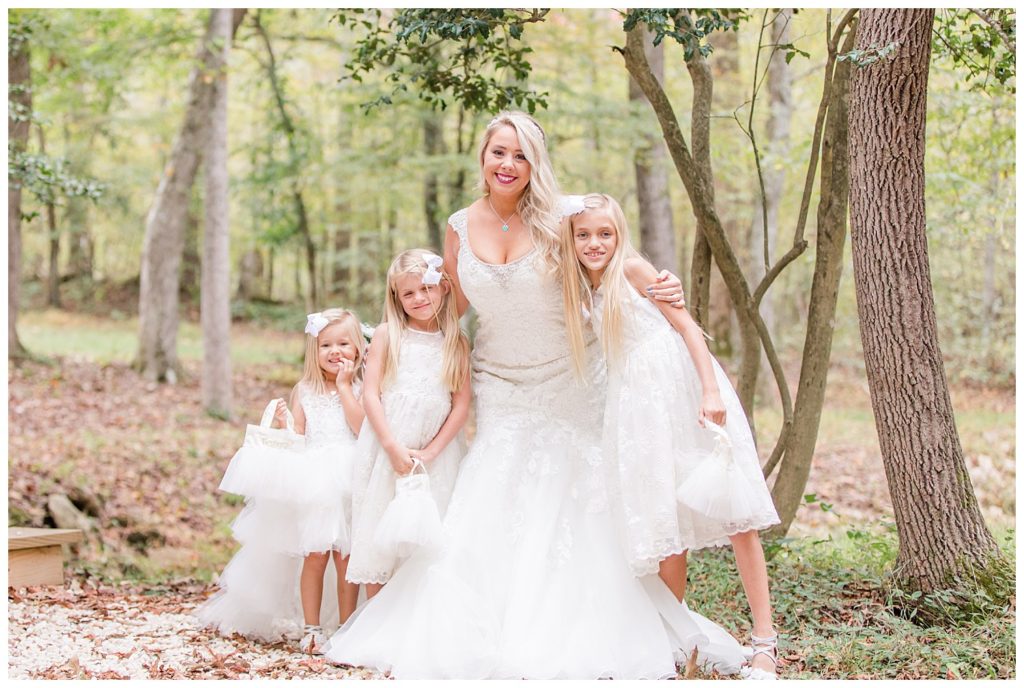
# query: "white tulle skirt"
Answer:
x=530 y=582
x=671 y=491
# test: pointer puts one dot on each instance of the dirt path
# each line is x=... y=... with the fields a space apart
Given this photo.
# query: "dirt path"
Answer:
x=128 y=632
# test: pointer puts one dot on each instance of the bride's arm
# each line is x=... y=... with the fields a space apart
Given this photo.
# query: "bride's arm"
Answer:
x=451 y=268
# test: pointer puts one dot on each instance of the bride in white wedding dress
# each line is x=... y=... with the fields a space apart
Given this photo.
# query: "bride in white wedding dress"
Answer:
x=532 y=581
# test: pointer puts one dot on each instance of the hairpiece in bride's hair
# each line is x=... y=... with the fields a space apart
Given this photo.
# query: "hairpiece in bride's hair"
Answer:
x=316 y=322
x=433 y=274
x=504 y=120
x=570 y=205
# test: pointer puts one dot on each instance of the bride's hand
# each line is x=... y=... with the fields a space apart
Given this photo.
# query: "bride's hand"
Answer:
x=667 y=287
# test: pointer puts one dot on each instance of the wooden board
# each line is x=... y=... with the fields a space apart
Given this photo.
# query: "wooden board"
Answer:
x=28 y=538
x=36 y=566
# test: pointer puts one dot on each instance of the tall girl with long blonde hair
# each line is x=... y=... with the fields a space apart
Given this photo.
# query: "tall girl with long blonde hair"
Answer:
x=686 y=472
x=416 y=397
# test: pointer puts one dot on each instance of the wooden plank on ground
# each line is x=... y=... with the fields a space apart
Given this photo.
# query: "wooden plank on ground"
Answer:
x=36 y=566
x=28 y=538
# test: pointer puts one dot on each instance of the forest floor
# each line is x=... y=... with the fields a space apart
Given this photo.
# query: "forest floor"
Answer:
x=142 y=461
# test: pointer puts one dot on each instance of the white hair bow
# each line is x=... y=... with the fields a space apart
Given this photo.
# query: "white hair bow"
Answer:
x=570 y=205
x=433 y=274
x=316 y=322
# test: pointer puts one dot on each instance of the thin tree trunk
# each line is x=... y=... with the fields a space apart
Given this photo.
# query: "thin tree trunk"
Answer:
x=944 y=542
x=779 y=86
x=699 y=297
x=164 y=240
x=19 y=80
x=657 y=232
x=795 y=467
x=53 y=236
x=302 y=218
x=433 y=145
x=215 y=299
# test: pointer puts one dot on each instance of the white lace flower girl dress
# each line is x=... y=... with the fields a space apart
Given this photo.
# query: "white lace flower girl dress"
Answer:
x=416 y=405
x=653 y=440
x=290 y=511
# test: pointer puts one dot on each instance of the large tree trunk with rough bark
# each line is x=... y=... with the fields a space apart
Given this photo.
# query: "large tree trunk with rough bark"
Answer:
x=215 y=295
x=944 y=543
x=795 y=467
x=164 y=240
x=657 y=231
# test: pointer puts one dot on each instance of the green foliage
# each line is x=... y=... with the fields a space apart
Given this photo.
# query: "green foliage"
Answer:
x=836 y=617
x=867 y=56
x=470 y=56
x=980 y=42
x=689 y=28
x=49 y=178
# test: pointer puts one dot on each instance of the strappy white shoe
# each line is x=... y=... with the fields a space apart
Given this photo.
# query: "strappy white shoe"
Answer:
x=767 y=646
x=313 y=640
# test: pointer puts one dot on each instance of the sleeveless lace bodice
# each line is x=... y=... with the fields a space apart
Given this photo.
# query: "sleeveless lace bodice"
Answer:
x=521 y=351
x=419 y=373
x=325 y=417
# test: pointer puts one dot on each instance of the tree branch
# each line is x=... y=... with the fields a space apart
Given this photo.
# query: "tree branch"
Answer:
x=1011 y=45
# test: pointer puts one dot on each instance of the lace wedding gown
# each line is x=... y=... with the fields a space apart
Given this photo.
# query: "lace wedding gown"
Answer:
x=531 y=582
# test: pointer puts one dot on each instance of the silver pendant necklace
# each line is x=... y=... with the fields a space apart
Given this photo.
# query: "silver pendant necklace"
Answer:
x=504 y=223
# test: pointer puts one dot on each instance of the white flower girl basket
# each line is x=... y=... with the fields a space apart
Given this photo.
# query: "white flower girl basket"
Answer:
x=411 y=519
x=259 y=468
x=717 y=488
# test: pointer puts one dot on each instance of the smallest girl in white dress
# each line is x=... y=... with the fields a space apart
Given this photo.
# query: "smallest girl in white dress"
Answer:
x=675 y=432
x=298 y=511
x=416 y=397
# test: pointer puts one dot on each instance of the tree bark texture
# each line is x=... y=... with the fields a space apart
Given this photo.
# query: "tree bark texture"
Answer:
x=164 y=240
x=942 y=534
x=787 y=493
x=19 y=81
x=657 y=230
x=215 y=292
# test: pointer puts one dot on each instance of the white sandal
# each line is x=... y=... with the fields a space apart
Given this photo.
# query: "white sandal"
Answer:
x=767 y=646
x=313 y=640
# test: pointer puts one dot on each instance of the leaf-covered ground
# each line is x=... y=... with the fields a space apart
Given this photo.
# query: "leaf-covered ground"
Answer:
x=143 y=462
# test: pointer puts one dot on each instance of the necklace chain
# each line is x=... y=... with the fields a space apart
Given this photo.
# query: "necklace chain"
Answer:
x=504 y=222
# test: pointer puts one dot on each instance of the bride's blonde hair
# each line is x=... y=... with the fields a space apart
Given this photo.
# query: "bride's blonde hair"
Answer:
x=538 y=204
x=455 y=350
x=576 y=290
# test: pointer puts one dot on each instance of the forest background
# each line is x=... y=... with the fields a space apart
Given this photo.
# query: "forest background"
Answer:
x=325 y=190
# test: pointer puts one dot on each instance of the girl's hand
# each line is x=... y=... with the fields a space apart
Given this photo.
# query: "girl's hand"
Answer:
x=401 y=460
x=346 y=373
x=712 y=408
x=667 y=287
x=280 y=415
x=424 y=455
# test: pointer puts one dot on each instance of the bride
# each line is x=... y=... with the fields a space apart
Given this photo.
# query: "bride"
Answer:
x=532 y=582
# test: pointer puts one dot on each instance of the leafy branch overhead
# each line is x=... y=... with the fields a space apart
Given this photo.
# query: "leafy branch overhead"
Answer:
x=470 y=56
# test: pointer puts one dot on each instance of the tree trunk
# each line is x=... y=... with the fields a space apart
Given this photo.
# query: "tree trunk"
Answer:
x=657 y=232
x=250 y=275
x=53 y=236
x=164 y=240
x=795 y=467
x=302 y=217
x=215 y=296
x=944 y=542
x=433 y=144
x=699 y=296
x=780 y=109
x=19 y=82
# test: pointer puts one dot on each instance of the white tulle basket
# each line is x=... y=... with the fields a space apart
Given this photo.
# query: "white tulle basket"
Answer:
x=265 y=451
x=411 y=520
x=717 y=488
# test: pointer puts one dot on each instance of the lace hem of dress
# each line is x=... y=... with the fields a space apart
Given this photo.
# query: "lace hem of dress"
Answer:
x=648 y=564
x=364 y=578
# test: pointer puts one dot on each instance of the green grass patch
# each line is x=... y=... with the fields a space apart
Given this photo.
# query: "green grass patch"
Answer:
x=835 y=619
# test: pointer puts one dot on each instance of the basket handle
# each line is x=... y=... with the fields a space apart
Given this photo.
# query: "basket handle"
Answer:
x=268 y=415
